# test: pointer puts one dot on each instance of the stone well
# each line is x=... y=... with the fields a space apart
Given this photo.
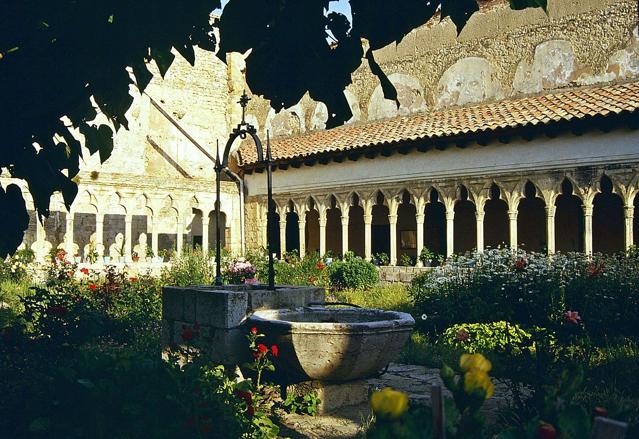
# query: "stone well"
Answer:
x=222 y=312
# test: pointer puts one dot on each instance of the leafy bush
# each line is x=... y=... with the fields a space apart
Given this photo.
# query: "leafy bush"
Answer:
x=381 y=259
x=190 y=268
x=353 y=272
x=406 y=260
x=487 y=337
x=532 y=290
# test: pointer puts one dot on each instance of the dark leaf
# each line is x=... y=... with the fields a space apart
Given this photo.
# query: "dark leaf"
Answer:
x=98 y=139
x=187 y=52
x=142 y=75
x=459 y=11
x=163 y=58
x=387 y=86
x=13 y=218
x=523 y=4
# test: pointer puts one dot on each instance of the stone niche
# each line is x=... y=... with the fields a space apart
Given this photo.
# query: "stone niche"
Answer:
x=221 y=313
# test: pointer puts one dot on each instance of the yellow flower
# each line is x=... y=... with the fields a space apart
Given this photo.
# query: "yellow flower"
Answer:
x=469 y=362
x=476 y=379
x=389 y=403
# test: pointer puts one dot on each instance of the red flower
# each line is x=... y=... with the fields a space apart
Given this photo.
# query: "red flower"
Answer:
x=521 y=263
x=92 y=286
x=462 y=335
x=58 y=310
x=546 y=431
x=572 y=317
x=311 y=279
x=250 y=411
x=600 y=411
x=253 y=330
x=255 y=355
x=320 y=265
x=84 y=271
x=275 y=350
x=246 y=396
x=187 y=333
x=61 y=254
x=133 y=279
x=262 y=348
x=594 y=270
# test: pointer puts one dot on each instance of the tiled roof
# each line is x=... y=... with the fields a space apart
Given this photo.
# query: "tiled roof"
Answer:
x=458 y=122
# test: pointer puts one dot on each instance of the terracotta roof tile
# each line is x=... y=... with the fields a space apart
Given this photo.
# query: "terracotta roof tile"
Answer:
x=511 y=113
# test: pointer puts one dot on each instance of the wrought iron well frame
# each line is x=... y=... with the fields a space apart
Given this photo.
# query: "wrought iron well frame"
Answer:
x=243 y=130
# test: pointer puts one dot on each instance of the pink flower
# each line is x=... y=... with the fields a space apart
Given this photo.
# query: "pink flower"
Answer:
x=251 y=281
x=572 y=317
x=462 y=335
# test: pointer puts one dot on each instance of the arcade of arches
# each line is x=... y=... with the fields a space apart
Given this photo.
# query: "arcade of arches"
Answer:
x=543 y=213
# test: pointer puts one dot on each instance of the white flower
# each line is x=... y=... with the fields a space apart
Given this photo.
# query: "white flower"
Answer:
x=424 y=317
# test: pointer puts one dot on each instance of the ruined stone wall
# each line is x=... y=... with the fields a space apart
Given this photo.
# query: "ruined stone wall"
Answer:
x=500 y=53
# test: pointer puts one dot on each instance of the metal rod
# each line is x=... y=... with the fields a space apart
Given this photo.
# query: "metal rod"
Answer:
x=218 y=247
x=271 y=213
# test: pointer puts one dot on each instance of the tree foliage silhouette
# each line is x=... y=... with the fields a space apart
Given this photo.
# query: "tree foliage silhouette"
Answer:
x=64 y=61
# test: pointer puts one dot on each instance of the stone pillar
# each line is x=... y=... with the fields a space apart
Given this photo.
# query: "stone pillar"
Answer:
x=512 y=215
x=368 y=236
x=205 y=234
x=68 y=244
x=479 y=218
x=450 y=231
x=420 y=217
x=322 y=232
x=392 y=221
x=345 y=233
x=128 y=221
x=302 y=231
x=629 y=215
x=588 y=208
x=99 y=235
x=180 y=235
x=154 y=234
x=550 y=228
x=282 y=235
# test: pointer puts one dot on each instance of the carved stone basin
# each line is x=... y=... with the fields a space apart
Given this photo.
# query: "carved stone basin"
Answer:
x=333 y=344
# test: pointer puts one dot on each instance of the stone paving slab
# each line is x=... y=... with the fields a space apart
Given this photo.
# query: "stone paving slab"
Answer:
x=348 y=422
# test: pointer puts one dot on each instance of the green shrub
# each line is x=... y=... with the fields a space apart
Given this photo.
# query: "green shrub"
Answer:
x=532 y=290
x=487 y=337
x=406 y=260
x=353 y=272
x=190 y=268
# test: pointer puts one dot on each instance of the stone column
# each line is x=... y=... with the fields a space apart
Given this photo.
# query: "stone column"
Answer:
x=368 y=236
x=68 y=244
x=479 y=218
x=322 y=232
x=302 y=232
x=180 y=235
x=205 y=234
x=128 y=239
x=512 y=215
x=550 y=228
x=99 y=235
x=392 y=221
x=588 y=208
x=629 y=215
x=420 y=217
x=450 y=231
x=155 y=227
x=282 y=235
x=345 y=233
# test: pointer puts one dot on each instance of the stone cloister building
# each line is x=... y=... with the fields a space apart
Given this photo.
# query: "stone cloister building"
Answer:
x=521 y=131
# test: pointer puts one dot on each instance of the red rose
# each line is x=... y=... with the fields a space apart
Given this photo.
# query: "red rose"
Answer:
x=92 y=286
x=600 y=411
x=262 y=348
x=187 y=334
x=253 y=330
x=320 y=266
x=546 y=431
x=275 y=350
x=58 y=310
x=84 y=271
x=312 y=279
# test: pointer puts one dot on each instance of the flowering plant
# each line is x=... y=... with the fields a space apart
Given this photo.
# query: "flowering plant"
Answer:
x=240 y=270
x=470 y=389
